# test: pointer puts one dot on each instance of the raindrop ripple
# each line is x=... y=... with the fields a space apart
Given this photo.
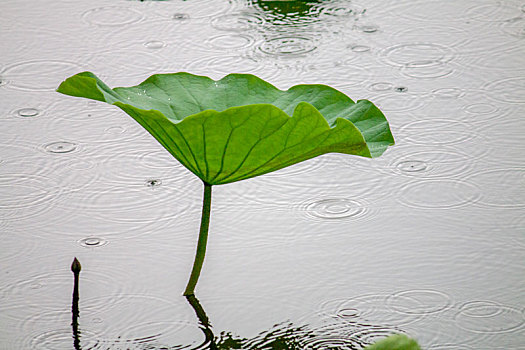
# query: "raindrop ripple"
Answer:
x=489 y=317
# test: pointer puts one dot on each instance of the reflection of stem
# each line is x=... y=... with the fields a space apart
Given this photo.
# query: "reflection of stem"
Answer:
x=201 y=315
x=75 y=267
x=201 y=245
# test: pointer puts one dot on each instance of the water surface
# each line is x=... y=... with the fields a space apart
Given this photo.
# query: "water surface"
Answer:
x=332 y=253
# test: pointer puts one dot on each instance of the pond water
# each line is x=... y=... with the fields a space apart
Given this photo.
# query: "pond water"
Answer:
x=332 y=253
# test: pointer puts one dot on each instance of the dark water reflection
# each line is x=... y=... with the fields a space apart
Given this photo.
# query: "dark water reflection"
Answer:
x=287 y=8
x=286 y=335
x=350 y=334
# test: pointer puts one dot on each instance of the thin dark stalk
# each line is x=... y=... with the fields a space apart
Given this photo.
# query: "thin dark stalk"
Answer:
x=75 y=267
x=201 y=244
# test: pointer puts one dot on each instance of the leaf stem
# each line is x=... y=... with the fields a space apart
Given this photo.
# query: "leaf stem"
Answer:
x=201 y=244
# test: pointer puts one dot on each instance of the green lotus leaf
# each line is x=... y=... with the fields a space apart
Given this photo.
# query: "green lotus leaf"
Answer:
x=395 y=342
x=240 y=126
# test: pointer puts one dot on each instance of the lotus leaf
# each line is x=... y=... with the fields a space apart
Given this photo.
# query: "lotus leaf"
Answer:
x=241 y=126
x=395 y=342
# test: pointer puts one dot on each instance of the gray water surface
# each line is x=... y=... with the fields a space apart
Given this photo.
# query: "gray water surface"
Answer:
x=332 y=253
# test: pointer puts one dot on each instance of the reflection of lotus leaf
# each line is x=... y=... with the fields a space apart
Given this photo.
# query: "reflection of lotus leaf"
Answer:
x=286 y=336
x=295 y=338
x=288 y=7
x=240 y=126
